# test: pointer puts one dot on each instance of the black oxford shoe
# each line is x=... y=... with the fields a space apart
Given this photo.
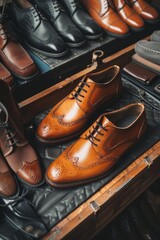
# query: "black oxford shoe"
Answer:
x=38 y=33
x=60 y=20
x=81 y=18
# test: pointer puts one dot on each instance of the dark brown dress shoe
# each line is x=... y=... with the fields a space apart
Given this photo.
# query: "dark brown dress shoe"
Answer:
x=103 y=13
x=74 y=113
x=18 y=153
x=8 y=184
x=129 y=15
x=95 y=154
x=14 y=56
x=6 y=76
x=145 y=10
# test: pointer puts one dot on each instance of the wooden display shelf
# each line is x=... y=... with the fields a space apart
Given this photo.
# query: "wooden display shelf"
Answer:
x=90 y=217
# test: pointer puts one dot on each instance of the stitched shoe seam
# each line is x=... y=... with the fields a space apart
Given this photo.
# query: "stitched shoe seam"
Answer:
x=148 y=49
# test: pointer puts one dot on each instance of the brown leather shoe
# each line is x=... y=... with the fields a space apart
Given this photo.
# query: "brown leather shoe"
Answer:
x=19 y=154
x=8 y=184
x=145 y=10
x=6 y=76
x=72 y=114
x=102 y=12
x=128 y=14
x=14 y=56
x=97 y=151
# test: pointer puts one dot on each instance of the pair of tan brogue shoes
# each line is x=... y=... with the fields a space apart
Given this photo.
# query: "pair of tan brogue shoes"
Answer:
x=109 y=136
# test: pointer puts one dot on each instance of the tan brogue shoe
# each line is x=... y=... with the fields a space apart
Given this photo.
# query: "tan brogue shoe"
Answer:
x=72 y=114
x=129 y=15
x=18 y=153
x=8 y=184
x=103 y=13
x=145 y=10
x=99 y=148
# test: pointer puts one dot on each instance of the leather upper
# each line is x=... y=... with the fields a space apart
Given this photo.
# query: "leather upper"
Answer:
x=38 y=32
x=60 y=20
x=102 y=12
x=128 y=14
x=8 y=185
x=99 y=148
x=81 y=18
x=71 y=115
x=144 y=9
x=14 y=56
x=5 y=75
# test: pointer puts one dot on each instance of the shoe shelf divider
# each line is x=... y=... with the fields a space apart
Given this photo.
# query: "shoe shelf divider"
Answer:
x=90 y=217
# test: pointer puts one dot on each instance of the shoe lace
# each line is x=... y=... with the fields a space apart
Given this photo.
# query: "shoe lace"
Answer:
x=57 y=6
x=10 y=138
x=95 y=132
x=75 y=3
x=76 y=93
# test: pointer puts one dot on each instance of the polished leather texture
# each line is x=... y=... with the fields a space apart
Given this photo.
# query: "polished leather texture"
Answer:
x=22 y=214
x=6 y=76
x=149 y=50
x=139 y=73
x=14 y=56
x=72 y=114
x=19 y=154
x=99 y=148
x=60 y=20
x=38 y=34
x=8 y=184
x=155 y=36
x=102 y=12
x=146 y=63
x=90 y=29
x=145 y=10
x=129 y=15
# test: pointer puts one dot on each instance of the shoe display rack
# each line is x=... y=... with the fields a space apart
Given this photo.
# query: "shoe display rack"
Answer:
x=125 y=185
x=54 y=70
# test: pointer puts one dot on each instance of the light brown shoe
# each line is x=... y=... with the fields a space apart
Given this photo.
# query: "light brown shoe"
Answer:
x=145 y=10
x=104 y=14
x=73 y=114
x=97 y=151
x=129 y=15
x=8 y=184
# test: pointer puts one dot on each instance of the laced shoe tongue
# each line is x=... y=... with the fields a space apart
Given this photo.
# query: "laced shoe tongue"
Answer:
x=105 y=122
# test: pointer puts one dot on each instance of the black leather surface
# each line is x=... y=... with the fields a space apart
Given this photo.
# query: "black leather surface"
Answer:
x=54 y=204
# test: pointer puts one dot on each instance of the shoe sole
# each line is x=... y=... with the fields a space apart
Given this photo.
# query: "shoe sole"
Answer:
x=56 y=55
x=75 y=45
x=93 y=37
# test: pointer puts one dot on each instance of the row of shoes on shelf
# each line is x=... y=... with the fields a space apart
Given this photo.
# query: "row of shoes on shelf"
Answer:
x=50 y=26
x=68 y=23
